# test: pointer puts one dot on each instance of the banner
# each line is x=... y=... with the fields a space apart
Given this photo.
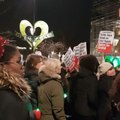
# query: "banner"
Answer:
x=70 y=60
x=105 y=41
x=80 y=50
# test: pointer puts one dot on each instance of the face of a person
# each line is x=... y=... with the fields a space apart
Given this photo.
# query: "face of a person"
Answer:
x=111 y=72
x=15 y=64
x=39 y=65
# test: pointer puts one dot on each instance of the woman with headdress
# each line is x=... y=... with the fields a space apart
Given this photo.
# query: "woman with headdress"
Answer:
x=14 y=90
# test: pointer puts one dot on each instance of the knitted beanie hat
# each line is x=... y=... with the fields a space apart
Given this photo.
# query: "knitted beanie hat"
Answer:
x=104 y=67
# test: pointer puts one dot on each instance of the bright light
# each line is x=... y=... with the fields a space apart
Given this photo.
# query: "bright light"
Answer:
x=33 y=43
x=31 y=31
x=37 y=109
x=65 y=95
x=21 y=48
x=114 y=60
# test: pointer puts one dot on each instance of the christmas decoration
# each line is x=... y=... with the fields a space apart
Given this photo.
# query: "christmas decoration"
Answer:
x=3 y=42
x=35 y=35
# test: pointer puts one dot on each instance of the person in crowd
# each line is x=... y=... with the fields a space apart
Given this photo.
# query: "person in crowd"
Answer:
x=71 y=78
x=83 y=89
x=32 y=65
x=117 y=70
x=115 y=96
x=14 y=90
x=51 y=100
x=106 y=73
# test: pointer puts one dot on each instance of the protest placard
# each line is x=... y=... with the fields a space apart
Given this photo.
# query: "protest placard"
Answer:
x=105 y=41
x=80 y=50
x=70 y=60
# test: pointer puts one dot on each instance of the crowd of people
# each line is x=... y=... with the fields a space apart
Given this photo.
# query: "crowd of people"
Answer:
x=93 y=90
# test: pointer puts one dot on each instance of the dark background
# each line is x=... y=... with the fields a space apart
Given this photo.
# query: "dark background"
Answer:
x=68 y=19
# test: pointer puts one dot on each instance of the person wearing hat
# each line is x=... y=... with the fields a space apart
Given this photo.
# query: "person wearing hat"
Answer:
x=105 y=68
x=106 y=73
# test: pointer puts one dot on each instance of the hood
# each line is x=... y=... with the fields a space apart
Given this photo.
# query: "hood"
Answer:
x=44 y=74
x=43 y=77
x=84 y=72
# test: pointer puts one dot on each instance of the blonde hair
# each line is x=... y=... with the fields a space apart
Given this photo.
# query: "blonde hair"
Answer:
x=14 y=82
x=52 y=68
x=53 y=64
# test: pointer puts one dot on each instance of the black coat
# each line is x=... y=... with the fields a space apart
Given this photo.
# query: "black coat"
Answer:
x=105 y=84
x=84 y=93
x=12 y=107
x=34 y=82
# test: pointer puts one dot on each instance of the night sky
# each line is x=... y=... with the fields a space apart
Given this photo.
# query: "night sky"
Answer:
x=68 y=19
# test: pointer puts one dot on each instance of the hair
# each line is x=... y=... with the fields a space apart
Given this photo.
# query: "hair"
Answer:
x=9 y=79
x=89 y=62
x=9 y=52
x=14 y=82
x=51 y=67
x=53 y=64
x=32 y=60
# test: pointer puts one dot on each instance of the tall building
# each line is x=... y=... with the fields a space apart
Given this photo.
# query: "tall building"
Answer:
x=105 y=16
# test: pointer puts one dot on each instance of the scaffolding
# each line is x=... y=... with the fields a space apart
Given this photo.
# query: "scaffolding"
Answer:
x=105 y=13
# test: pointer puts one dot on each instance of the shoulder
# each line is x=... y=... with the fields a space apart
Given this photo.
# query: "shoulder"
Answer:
x=8 y=94
x=53 y=85
x=53 y=82
x=104 y=78
x=8 y=97
x=12 y=105
x=89 y=77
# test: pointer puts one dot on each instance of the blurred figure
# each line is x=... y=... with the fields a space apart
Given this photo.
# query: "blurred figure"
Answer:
x=32 y=65
x=51 y=99
x=83 y=89
x=115 y=96
x=117 y=70
x=106 y=74
x=14 y=90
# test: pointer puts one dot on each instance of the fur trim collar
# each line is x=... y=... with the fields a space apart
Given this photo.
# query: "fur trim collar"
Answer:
x=48 y=72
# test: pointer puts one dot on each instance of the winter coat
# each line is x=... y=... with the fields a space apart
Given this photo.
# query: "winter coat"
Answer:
x=105 y=84
x=14 y=94
x=34 y=82
x=11 y=106
x=83 y=93
x=51 y=101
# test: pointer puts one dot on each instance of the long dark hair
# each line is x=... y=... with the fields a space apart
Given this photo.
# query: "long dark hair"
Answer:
x=9 y=52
